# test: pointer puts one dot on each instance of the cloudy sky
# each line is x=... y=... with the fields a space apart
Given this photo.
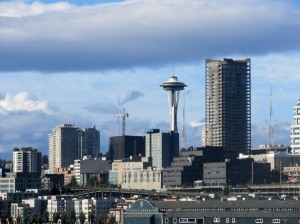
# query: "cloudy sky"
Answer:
x=66 y=62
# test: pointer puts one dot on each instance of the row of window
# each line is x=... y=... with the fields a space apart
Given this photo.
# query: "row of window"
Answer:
x=226 y=209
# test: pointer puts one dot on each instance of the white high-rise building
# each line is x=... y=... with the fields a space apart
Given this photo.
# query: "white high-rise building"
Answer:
x=68 y=143
x=63 y=146
x=295 y=130
x=27 y=160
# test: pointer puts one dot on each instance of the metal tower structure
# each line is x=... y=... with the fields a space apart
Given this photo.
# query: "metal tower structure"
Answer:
x=173 y=87
x=123 y=115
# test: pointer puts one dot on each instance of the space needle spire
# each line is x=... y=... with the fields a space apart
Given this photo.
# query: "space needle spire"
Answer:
x=173 y=87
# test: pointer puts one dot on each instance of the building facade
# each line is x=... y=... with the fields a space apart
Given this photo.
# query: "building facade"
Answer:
x=68 y=143
x=88 y=142
x=213 y=211
x=27 y=161
x=121 y=147
x=162 y=147
x=295 y=130
x=228 y=105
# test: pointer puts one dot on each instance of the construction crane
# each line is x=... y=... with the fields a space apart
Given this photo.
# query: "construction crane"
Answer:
x=123 y=115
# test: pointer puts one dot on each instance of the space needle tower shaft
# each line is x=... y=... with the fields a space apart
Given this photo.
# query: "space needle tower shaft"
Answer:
x=173 y=87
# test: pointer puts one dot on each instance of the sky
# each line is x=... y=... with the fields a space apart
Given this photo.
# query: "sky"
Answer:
x=68 y=61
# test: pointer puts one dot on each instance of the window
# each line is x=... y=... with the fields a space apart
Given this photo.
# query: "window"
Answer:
x=216 y=220
x=174 y=220
x=227 y=220
x=276 y=221
x=233 y=220
x=259 y=221
x=166 y=220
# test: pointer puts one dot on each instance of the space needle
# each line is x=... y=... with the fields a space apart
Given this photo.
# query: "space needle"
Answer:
x=173 y=87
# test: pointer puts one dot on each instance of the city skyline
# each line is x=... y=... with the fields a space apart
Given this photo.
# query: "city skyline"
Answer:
x=71 y=72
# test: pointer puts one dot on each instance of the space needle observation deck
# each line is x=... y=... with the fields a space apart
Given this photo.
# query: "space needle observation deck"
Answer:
x=173 y=87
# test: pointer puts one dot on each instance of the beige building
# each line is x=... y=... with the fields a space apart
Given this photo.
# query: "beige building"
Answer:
x=137 y=173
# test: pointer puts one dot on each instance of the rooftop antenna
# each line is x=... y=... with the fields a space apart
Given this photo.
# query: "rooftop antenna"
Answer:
x=271 y=131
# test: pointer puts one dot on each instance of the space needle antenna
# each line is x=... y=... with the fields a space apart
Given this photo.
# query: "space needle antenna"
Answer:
x=173 y=88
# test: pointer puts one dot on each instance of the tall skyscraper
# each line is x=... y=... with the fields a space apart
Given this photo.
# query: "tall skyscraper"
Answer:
x=63 y=146
x=228 y=105
x=162 y=147
x=295 y=130
x=68 y=143
x=27 y=160
x=88 y=142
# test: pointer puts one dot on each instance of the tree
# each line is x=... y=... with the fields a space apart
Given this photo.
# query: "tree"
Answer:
x=81 y=217
x=33 y=218
x=40 y=219
x=16 y=149
x=101 y=219
x=112 y=219
x=3 y=218
x=73 y=182
x=26 y=219
x=92 y=217
x=45 y=217
x=72 y=216
x=55 y=217
x=93 y=182
x=64 y=218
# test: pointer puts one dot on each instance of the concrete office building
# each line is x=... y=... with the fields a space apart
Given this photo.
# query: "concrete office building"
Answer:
x=162 y=147
x=228 y=105
x=14 y=182
x=187 y=168
x=68 y=143
x=121 y=147
x=295 y=130
x=27 y=161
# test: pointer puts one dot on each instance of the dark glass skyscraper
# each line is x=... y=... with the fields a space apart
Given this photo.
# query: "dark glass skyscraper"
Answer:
x=228 y=105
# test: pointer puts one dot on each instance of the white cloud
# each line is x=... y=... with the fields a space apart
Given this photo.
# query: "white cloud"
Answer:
x=18 y=8
x=23 y=102
x=196 y=124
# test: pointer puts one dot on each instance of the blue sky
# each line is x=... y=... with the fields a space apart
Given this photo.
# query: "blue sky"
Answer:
x=66 y=62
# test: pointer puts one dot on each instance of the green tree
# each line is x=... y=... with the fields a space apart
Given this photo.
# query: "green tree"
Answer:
x=10 y=219
x=18 y=219
x=16 y=149
x=45 y=217
x=112 y=219
x=40 y=219
x=101 y=219
x=55 y=217
x=3 y=218
x=33 y=218
x=26 y=219
x=72 y=216
x=93 y=182
x=92 y=217
x=81 y=217
x=73 y=182
x=64 y=218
